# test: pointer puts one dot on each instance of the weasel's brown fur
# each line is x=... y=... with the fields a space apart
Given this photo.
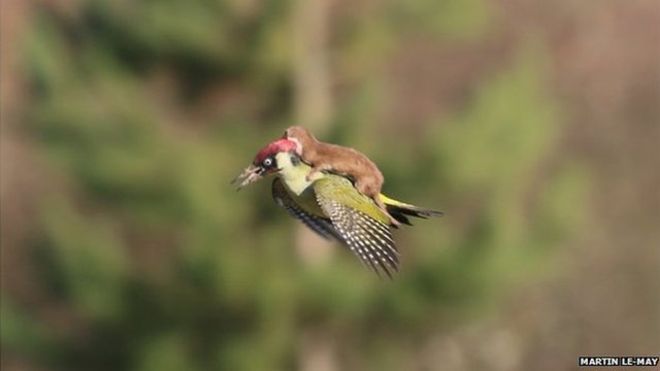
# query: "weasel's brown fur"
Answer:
x=341 y=160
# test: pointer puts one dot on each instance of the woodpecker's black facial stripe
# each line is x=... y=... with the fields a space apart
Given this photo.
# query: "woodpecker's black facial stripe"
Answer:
x=268 y=164
x=295 y=160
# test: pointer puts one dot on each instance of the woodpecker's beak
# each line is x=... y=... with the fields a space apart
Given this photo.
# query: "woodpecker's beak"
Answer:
x=250 y=175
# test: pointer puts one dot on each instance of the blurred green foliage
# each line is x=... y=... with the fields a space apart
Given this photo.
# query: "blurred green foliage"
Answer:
x=162 y=266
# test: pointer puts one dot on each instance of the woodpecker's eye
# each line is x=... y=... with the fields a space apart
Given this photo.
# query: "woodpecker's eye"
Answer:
x=268 y=162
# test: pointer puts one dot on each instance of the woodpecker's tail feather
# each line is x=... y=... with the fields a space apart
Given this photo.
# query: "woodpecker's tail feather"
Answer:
x=401 y=210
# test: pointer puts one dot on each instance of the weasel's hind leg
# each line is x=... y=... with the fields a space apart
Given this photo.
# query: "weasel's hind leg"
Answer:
x=395 y=223
x=373 y=192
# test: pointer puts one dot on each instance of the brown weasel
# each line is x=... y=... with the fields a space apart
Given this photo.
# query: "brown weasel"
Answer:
x=341 y=160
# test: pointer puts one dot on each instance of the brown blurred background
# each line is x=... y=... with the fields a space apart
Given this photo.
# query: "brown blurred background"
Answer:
x=534 y=125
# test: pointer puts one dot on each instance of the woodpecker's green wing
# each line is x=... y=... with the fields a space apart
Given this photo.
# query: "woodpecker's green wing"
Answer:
x=322 y=226
x=362 y=225
x=356 y=221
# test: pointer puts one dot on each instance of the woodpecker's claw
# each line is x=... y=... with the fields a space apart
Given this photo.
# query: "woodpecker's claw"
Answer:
x=250 y=175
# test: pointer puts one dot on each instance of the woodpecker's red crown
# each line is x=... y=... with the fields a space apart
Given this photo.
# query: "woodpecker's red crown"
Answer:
x=280 y=145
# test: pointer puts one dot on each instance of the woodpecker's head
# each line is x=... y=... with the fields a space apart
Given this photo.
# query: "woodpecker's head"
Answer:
x=265 y=162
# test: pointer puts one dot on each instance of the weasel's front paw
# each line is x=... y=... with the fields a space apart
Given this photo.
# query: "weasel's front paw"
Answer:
x=310 y=176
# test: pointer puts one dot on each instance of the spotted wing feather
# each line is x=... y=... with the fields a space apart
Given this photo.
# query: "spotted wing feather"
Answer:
x=366 y=237
x=322 y=226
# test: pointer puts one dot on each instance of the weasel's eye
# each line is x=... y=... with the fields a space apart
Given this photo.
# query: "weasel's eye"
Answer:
x=268 y=162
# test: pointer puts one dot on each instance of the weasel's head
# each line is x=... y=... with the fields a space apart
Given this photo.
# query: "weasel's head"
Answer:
x=301 y=136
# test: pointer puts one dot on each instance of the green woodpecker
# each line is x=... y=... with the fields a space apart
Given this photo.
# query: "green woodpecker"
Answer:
x=331 y=206
x=340 y=160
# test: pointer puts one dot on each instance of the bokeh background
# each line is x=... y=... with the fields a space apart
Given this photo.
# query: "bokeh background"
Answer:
x=535 y=125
